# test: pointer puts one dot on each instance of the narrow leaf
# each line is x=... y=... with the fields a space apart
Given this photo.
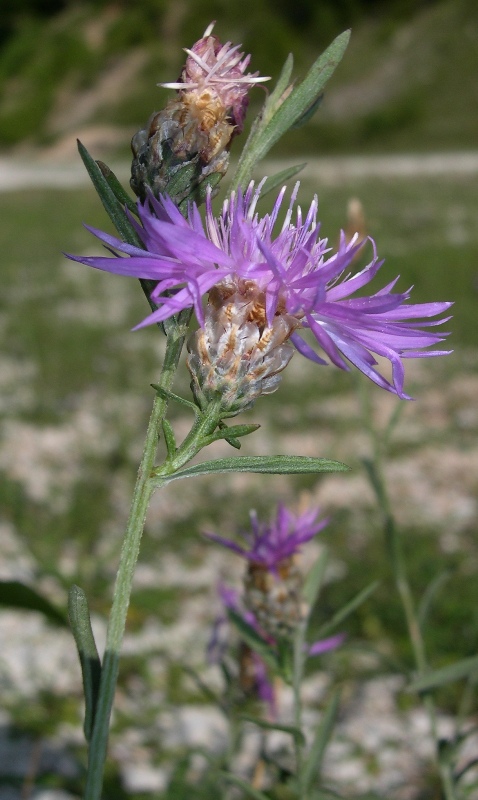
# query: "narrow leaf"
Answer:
x=169 y=438
x=280 y=178
x=314 y=578
x=80 y=622
x=309 y=113
x=313 y=764
x=345 y=612
x=275 y=726
x=111 y=205
x=242 y=784
x=235 y=431
x=118 y=190
x=304 y=95
x=252 y=638
x=247 y=160
x=288 y=113
x=272 y=465
x=15 y=594
x=430 y=593
x=177 y=399
x=440 y=677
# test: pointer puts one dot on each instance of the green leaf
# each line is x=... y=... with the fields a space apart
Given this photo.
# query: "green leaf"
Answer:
x=16 y=594
x=164 y=393
x=440 y=677
x=280 y=178
x=313 y=764
x=275 y=726
x=430 y=593
x=242 y=784
x=272 y=465
x=169 y=438
x=112 y=206
x=252 y=638
x=345 y=612
x=315 y=576
x=235 y=431
x=80 y=622
x=119 y=192
x=275 y=121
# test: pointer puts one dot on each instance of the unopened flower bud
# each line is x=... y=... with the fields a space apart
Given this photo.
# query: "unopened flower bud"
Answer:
x=187 y=143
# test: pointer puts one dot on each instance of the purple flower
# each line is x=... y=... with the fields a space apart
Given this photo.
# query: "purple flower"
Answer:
x=292 y=273
x=215 y=74
x=270 y=545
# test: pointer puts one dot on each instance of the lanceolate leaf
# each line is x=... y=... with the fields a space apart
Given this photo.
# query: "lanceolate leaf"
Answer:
x=278 y=117
x=439 y=677
x=15 y=594
x=272 y=465
x=280 y=178
x=112 y=206
x=79 y=614
x=313 y=765
x=345 y=612
x=314 y=578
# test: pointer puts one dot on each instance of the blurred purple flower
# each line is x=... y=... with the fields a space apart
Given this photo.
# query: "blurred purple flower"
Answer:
x=293 y=274
x=271 y=544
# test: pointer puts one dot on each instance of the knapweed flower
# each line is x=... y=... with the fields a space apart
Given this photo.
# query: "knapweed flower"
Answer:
x=291 y=274
x=273 y=580
x=196 y=127
x=214 y=78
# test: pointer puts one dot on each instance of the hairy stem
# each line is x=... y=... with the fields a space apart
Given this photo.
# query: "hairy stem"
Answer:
x=129 y=554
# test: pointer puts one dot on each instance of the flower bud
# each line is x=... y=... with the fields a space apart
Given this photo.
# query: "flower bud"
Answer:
x=187 y=143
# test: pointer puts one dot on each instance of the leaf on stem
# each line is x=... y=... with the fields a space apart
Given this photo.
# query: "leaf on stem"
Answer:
x=314 y=578
x=254 y=640
x=313 y=764
x=80 y=622
x=234 y=432
x=169 y=438
x=275 y=726
x=119 y=192
x=16 y=594
x=272 y=465
x=439 y=677
x=345 y=612
x=280 y=178
x=286 y=106
x=165 y=394
x=111 y=204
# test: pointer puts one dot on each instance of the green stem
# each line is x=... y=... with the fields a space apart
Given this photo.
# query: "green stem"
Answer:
x=297 y=675
x=401 y=580
x=124 y=579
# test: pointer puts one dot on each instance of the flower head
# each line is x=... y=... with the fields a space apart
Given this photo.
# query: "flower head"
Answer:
x=185 y=147
x=271 y=544
x=290 y=272
x=214 y=74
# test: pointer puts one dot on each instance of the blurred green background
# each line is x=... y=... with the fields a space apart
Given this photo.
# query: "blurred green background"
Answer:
x=409 y=79
x=74 y=381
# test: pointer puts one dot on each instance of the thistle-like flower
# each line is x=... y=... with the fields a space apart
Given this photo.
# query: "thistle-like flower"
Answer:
x=273 y=580
x=195 y=129
x=291 y=275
